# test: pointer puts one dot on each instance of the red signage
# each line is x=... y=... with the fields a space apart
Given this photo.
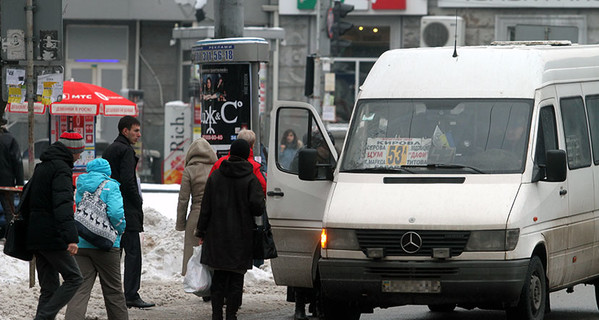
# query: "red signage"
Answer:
x=388 y=4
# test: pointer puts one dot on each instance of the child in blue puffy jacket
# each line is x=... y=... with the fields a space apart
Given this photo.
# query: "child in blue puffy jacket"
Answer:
x=93 y=261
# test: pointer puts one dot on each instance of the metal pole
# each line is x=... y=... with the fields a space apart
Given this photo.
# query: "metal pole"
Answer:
x=228 y=19
x=316 y=96
x=30 y=97
x=30 y=104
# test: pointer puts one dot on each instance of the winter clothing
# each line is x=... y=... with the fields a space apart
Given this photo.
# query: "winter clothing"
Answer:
x=231 y=200
x=73 y=141
x=240 y=148
x=131 y=243
x=93 y=262
x=226 y=285
x=11 y=174
x=51 y=224
x=255 y=165
x=11 y=165
x=53 y=295
x=98 y=170
x=198 y=162
x=51 y=228
x=123 y=161
x=106 y=264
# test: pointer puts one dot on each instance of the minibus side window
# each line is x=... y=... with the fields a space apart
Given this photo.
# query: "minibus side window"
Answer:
x=293 y=125
x=576 y=132
x=593 y=113
x=547 y=137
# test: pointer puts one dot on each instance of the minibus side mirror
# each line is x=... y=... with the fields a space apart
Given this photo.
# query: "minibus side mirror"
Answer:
x=307 y=169
x=556 y=166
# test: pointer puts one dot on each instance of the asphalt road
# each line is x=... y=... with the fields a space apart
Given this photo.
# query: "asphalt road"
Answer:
x=270 y=305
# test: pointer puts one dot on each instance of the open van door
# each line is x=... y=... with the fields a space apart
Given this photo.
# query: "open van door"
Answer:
x=296 y=207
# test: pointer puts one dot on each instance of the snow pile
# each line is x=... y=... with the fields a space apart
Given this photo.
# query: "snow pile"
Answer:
x=162 y=248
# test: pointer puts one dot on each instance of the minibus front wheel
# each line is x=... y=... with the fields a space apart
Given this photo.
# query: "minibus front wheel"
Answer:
x=533 y=298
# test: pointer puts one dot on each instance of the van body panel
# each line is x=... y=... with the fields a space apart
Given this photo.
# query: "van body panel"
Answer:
x=422 y=206
x=542 y=215
x=295 y=209
x=296 y=248
x=515 y=72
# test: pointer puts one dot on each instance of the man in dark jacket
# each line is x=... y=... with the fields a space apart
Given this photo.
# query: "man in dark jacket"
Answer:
x=232 y=197
x=11 y=169
x=123 y=163
x=51 y=231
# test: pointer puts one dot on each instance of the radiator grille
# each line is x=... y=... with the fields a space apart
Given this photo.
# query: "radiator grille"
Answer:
x=390 y=241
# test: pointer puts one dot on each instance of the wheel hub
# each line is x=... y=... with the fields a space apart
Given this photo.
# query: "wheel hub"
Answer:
x=535 y=293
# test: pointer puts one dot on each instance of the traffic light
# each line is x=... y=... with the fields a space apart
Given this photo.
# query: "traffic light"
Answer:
x=337 y=27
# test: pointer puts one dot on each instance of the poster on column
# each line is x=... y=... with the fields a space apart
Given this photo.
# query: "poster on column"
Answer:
x=225 y=96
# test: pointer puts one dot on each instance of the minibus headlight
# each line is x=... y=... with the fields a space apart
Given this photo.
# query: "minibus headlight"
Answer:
x=341 y=239
x=493 y=240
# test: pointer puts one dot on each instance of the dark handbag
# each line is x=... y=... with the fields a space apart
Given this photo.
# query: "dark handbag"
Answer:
x=264 y=244
x=92 y=221
x=16 y=240
x=16 y=233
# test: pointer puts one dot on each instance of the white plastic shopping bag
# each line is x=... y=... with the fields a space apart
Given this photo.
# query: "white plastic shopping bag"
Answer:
x=199 y=276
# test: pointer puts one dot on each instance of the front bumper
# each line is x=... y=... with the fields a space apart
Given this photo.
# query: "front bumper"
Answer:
x=474 y=283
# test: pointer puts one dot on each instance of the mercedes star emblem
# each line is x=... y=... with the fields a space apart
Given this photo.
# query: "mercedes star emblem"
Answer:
x=411 y=242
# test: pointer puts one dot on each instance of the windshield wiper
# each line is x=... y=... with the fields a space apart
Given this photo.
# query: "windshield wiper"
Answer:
x=453 y=166
x=380 y=170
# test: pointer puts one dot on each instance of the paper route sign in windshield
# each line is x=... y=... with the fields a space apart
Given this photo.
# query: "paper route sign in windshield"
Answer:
x=394 y=152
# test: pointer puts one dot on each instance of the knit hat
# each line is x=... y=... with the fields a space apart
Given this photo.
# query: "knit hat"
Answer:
x=73 y=141
x=240 y=148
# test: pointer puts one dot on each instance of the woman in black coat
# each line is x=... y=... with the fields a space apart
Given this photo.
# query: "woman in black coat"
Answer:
x=233 y=196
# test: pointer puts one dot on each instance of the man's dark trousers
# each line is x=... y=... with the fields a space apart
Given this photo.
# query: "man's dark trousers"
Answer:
x=130 y=243
x=53 y=295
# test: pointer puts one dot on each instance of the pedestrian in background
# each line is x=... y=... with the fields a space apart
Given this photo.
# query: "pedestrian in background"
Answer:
x=289 y=146
x=199 y=160
x=93 y=261
x=11 y=168
x=123 y=164
x=232 y=198
x=51 y=231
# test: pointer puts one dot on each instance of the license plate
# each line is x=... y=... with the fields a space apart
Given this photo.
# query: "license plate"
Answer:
x=412 y=286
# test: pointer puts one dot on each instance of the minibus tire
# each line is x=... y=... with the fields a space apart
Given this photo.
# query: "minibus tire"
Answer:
x=447 y=307
x=533 y=298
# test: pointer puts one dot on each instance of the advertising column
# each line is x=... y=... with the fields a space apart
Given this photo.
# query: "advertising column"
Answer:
x=229 y=89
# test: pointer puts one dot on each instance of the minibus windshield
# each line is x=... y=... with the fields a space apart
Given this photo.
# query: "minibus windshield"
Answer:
x=478 y=136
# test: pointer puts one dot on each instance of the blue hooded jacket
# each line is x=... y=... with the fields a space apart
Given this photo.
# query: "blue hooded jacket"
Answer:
x=98 y=170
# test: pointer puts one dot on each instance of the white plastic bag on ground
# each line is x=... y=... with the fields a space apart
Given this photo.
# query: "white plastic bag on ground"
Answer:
x=198 y=277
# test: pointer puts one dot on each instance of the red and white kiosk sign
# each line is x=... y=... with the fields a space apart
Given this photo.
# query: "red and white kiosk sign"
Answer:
x=77 y=110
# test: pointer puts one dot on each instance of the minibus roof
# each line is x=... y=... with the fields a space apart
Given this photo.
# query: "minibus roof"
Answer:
x=504 y=71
